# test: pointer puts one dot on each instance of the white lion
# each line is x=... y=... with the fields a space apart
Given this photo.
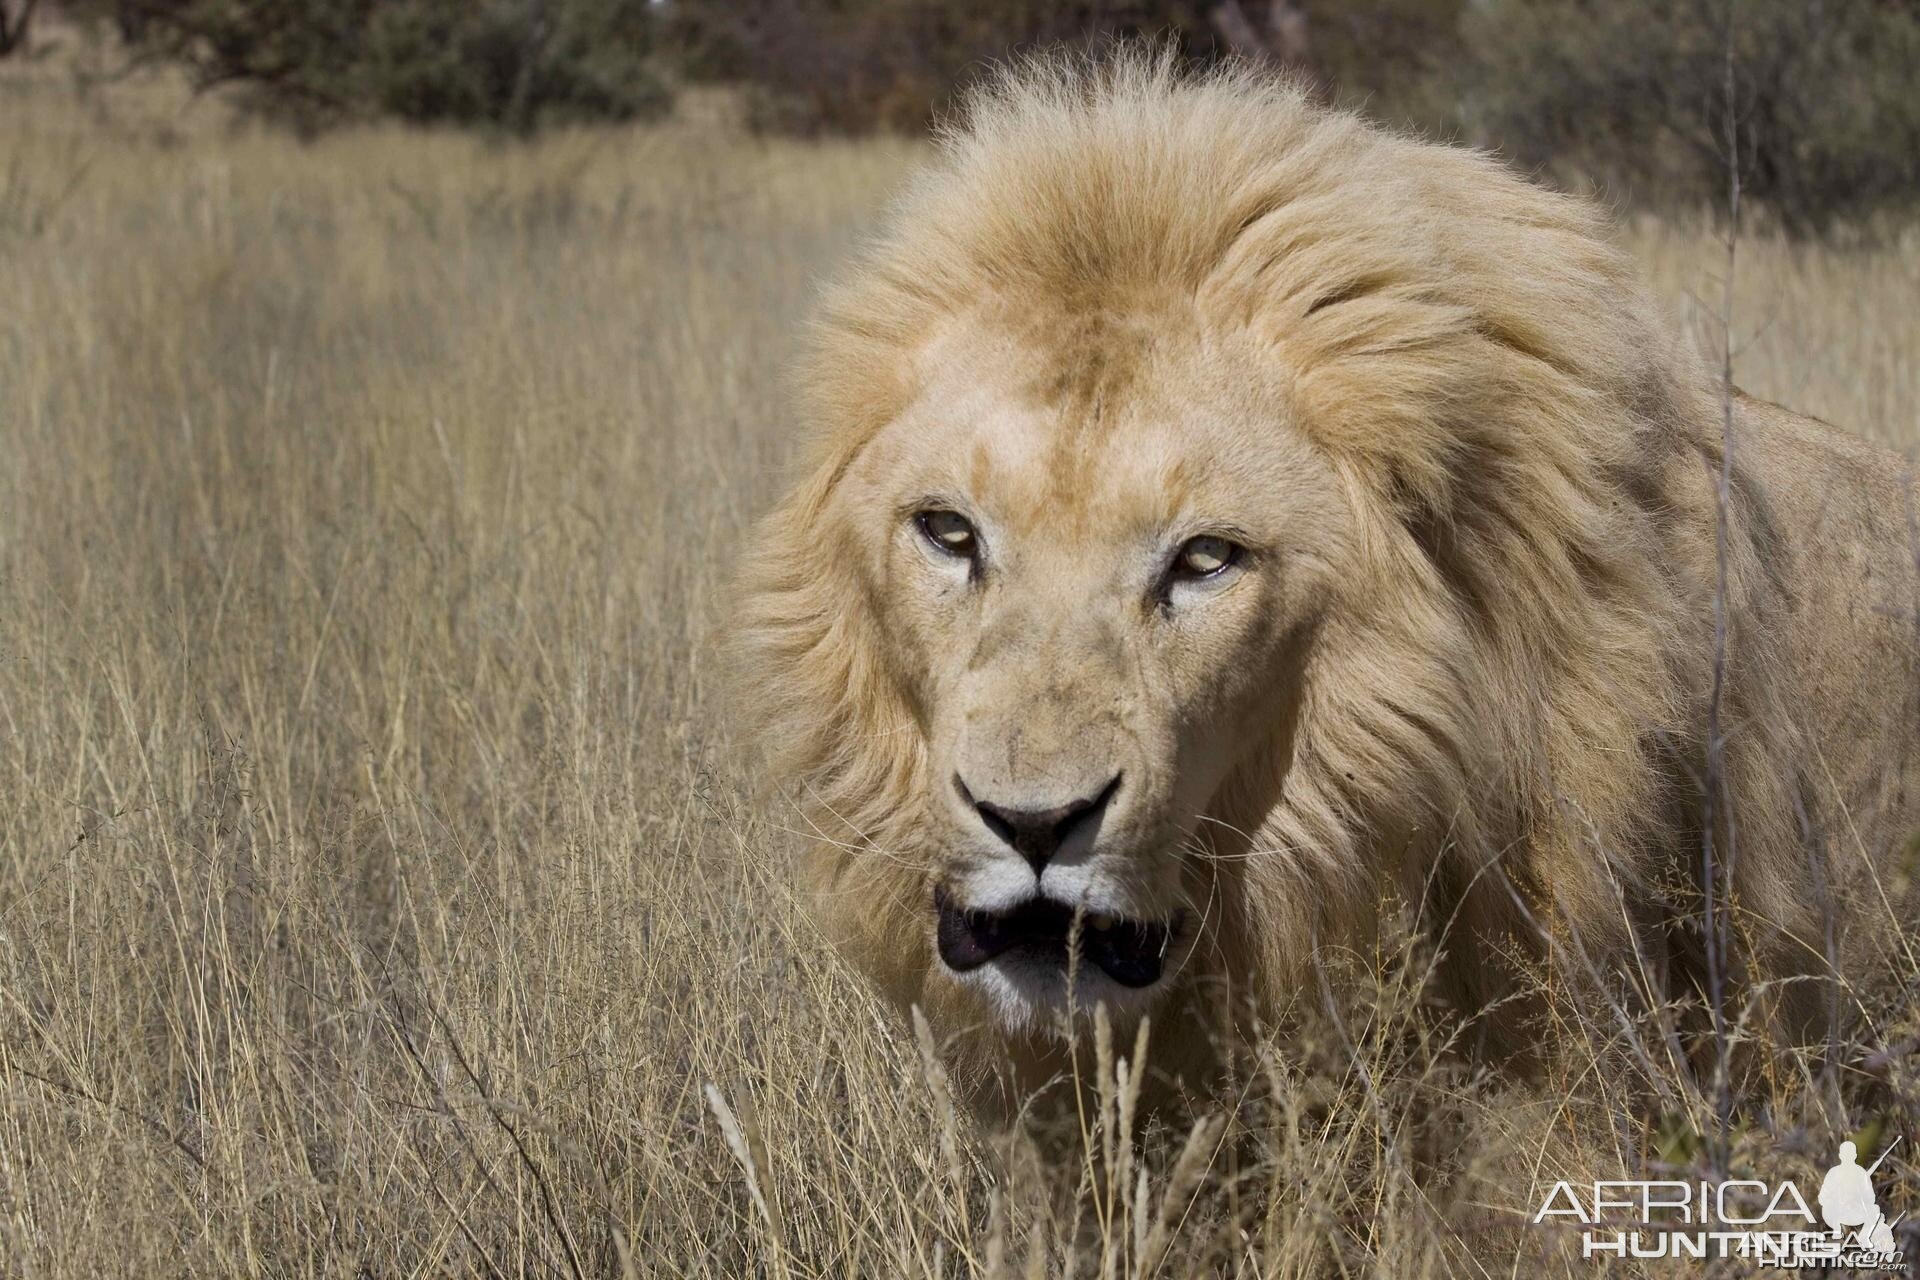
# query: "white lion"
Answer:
x=1219 y=516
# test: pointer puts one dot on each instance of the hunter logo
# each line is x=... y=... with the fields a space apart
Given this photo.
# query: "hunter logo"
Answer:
x=1769 y=1225
x=1847 y=1202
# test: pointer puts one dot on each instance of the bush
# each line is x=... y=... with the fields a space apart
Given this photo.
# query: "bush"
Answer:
x=1629 y=94
x=857 y=66
x=508 y=63
x=853 y=66
x=1634 y=94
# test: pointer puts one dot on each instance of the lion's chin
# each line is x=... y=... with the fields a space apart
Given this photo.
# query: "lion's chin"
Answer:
x=1026 y=999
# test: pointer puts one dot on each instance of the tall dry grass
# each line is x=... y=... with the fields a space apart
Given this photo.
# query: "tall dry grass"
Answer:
x=375 y=896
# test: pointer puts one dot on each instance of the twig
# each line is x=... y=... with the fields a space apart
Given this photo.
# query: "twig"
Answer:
x=548 y=1205
x=397 y=1024
x=1713 y=816
x=173 y=1139
x=14 y=31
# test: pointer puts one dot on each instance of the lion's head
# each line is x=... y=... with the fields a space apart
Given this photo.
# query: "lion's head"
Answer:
x=1097 y=566
x=1209 y=524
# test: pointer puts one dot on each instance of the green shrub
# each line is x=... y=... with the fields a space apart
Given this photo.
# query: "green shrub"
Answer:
x=508 y=63
x=1634 y=94
x=1630 y=95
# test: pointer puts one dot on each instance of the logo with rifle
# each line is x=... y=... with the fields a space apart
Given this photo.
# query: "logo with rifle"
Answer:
x=1765 y=1224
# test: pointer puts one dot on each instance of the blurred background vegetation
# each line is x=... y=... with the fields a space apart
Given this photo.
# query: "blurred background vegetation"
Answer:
x=1632 y=98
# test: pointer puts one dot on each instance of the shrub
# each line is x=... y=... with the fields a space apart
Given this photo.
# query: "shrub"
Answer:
x=508 y=63
x=857 y=66
x=1634 y=94
x=853 y=66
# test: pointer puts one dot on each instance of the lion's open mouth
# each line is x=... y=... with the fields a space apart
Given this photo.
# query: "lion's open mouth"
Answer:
x=1130 y=952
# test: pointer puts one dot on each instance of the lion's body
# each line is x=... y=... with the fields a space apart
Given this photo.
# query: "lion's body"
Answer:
x=1836 y=529
x=1496 y=702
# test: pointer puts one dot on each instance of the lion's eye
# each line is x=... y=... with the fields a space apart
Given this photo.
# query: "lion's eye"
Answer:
x=1203 y=557
x=949 y=531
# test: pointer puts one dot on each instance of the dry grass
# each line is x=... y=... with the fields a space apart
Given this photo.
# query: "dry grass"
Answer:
x=373 y=895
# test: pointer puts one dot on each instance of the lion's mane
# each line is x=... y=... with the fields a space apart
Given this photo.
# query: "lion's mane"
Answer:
x=1504 y=715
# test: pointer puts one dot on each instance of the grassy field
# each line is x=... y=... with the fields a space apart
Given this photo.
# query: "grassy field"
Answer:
x=376 y=893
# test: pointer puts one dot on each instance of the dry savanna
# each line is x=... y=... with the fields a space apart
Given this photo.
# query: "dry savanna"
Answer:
x=380 y=891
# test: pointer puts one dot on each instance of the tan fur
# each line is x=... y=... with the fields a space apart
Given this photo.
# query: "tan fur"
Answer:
x=1475 y=671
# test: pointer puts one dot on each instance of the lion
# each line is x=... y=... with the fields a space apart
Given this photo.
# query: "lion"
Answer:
x=1219 y=517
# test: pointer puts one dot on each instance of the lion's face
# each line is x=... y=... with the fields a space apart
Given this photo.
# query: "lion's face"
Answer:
x=1095 y=578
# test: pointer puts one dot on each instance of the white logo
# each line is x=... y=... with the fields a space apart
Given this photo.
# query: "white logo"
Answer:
x=1765 y=1224
x=1846 y=1200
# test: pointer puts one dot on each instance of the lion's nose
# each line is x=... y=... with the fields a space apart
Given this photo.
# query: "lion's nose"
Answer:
x=1036 y=833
